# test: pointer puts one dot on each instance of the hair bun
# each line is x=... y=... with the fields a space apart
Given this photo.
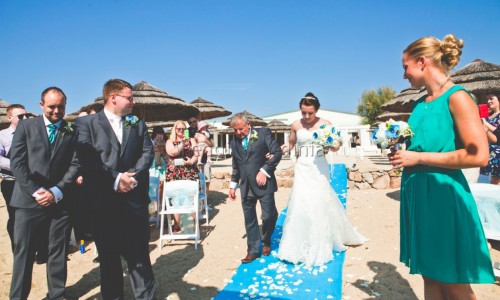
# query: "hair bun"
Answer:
x=451 y=49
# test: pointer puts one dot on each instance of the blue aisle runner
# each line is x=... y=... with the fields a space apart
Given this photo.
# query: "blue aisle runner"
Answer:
x=270 y=278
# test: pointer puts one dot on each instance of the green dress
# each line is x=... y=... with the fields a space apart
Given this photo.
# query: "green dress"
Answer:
x=441 y=233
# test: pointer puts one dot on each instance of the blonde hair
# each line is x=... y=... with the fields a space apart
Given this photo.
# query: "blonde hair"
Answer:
x=445 y=53
x=173 y=135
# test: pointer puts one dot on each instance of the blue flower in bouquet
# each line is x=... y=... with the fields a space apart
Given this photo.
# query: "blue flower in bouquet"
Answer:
x=392 y=132
x=315 y=135
x=329 y=140
x=327 y=136
x=333 y=129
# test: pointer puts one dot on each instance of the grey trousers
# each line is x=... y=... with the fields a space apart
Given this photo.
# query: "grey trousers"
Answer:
x=269 y=217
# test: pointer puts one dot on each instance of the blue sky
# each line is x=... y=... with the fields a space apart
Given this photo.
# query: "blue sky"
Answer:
x=262 y=56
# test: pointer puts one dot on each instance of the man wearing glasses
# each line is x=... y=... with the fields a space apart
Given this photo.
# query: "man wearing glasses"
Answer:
x=15 y=112
x=115 y=153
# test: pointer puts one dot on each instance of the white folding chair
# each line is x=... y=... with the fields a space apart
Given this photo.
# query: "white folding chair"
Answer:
x=154 y=196
x=203 y=197
x=179 y=197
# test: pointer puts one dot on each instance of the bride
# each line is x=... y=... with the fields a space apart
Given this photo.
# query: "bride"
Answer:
x=316 y=223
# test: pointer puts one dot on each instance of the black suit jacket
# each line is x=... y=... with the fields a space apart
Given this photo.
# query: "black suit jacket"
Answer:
x=34 y=165
x=246 y=164
x=103 y=158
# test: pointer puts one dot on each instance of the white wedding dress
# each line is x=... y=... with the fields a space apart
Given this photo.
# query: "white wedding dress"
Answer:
x=315 y=223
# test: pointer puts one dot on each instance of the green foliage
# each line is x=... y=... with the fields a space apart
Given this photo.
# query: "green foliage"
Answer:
x=371 y=101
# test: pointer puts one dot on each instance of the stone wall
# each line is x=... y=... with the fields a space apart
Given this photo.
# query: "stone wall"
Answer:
x=358 y=179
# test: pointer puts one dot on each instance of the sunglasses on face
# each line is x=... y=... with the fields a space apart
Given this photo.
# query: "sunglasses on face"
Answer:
x=307 y=113
x=23 y=116
x=181 y=128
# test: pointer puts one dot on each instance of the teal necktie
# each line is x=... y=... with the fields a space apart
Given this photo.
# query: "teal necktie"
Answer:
x=52 y=133
x=244 y=143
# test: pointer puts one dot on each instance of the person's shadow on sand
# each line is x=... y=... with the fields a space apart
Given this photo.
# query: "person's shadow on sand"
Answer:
x=387 y=283
x=395 y=195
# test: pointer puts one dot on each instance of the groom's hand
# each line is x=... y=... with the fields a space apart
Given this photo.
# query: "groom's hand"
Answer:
x=232 y=194
x=261 y=178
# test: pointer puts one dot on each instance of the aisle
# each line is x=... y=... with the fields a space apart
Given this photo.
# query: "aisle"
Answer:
x=270 y=278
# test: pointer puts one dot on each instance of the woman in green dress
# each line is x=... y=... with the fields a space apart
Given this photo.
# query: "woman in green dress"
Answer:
x=441 y=235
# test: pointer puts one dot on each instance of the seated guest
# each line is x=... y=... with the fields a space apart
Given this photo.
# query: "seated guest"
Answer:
x=182 y=159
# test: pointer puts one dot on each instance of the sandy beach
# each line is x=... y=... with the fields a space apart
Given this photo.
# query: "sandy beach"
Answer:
x=371 y=271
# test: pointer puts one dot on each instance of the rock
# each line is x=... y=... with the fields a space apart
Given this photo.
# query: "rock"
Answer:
x=362 y=185
x=350 y=185
x=368 y=177
x=382 y=182
x=355 y=176
x=395 y=182
x=217 y=175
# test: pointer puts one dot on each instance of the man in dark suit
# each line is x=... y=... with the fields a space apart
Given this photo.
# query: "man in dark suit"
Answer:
x=116 y=152
x=42 y=161
x=254 y=172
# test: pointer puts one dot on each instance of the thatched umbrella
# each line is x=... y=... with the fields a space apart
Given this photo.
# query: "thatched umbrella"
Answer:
x=209 y=110
x=403 y=102
x=97 y=106
x=398 y=116
x=254 y=120
x=278 y=126
x=4 y=122
x=480 y=78
x=153 y=104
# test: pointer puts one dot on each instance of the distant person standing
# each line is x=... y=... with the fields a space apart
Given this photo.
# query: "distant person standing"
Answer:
x=14 y=113
x=490 y=124
x=442 y=238
x=42 y=161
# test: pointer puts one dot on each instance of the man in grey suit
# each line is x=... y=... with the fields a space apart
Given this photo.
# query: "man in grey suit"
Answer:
x=42 y=161
x=254 y=172
x=116 y=152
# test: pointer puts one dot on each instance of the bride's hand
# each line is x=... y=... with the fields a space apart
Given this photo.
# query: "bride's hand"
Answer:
x=285 y=148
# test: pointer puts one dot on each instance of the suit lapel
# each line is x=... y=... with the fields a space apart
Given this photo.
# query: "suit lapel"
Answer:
x=59 y=139
x=125 y=135
x=43 y=134
x=106 y=127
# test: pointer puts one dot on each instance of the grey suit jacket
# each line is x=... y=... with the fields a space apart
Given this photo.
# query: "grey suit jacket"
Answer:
x=103 y=158
x=246 y=164
x=35 y=166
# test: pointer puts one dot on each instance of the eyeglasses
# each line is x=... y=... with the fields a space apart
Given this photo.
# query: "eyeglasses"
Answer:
x=131 y=98
x=23 y=116
x=178 y=128
x=309 y=113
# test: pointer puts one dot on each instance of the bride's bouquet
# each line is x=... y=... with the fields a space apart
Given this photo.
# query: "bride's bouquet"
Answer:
x=391 y=133
x=327 y=136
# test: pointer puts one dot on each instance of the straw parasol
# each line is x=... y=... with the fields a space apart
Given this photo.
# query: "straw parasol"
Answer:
x=403 y=102
x=209 y=110
x=480 y=78
x=153 y=104
x=277 y=126
x=399 y=116
x=4 y=122
x=254 y=120
x=99 y=105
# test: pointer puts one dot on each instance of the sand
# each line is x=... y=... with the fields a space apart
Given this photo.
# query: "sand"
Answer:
x=371 y=271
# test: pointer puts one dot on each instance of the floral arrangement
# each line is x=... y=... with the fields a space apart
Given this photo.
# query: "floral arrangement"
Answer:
x=131 y=120
x=254 y=136
x=67 y=129
x=391 y=133
x=327 y=136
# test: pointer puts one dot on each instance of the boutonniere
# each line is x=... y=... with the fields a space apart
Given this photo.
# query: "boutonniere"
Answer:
x=131 y=120
x=67 y=129
x=254 y=136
